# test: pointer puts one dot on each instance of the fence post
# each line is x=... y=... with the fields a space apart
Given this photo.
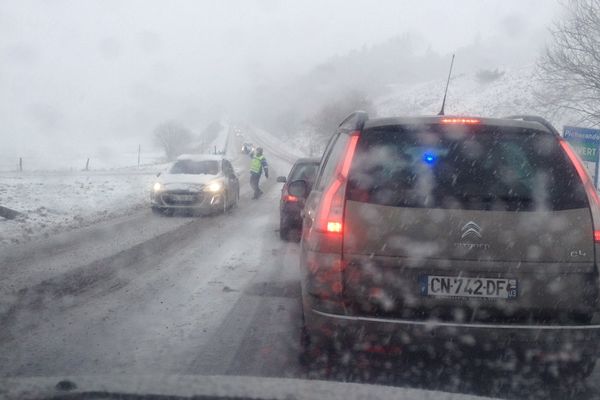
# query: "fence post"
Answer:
x=20 y=164
x=87 y=165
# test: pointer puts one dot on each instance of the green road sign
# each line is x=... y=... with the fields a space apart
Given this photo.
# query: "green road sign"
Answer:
x=587 y=149
x=586 y=142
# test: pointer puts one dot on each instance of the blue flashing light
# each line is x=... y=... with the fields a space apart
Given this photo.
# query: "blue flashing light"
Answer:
x=429 y=158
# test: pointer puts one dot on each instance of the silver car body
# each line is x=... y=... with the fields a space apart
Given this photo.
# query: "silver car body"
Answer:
x=215 y=189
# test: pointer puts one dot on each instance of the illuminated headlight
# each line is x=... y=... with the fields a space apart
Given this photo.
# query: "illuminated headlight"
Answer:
x=157 y=187
x=214 y=187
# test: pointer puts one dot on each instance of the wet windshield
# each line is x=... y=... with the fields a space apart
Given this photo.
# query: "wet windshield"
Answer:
x=210 y=167
x=284 y=199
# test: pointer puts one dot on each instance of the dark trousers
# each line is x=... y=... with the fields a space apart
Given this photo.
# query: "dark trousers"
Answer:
x=254 y=179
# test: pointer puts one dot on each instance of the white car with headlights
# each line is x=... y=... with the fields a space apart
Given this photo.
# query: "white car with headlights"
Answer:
x=198 y=182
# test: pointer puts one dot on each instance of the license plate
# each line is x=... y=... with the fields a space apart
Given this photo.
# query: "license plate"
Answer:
x=450 y=286
x=182 y=197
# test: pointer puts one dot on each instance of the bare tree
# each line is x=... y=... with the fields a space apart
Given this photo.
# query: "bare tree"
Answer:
x=570 y=66
x=321 y=125
x=173 y=138
x=327 y=119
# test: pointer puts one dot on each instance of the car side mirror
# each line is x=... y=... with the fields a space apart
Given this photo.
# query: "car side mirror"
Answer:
x=281 y=179
x=298 y=188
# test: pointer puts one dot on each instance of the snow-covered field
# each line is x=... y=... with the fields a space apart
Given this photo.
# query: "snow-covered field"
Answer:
x=512 y=92
x=509 y=93
x=56 y=201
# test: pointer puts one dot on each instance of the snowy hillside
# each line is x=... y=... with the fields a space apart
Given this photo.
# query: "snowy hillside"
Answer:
x=512 y=92
x=488 y=93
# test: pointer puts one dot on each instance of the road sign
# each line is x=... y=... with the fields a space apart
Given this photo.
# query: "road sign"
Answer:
x=586 y=142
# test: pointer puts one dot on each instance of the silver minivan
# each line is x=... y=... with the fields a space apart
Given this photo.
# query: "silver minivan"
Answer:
x=470 y=233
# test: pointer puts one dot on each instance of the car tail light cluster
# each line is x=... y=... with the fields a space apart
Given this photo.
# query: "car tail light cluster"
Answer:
x=590 y=190
x=288 y=198
x=326 y=264
x=331 y=214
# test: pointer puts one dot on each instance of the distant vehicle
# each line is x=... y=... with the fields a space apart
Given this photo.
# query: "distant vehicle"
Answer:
x=291 y=206
x=202 y=183
x=247 y=148
x=479 y=232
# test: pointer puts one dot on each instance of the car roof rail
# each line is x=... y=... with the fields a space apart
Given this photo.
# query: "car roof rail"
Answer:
x=354 y=121
x=534 y=118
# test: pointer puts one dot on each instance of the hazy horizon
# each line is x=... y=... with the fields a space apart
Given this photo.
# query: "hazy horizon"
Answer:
x=83 y=77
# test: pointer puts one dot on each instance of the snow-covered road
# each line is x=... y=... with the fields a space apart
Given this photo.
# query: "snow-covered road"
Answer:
x=219 y=295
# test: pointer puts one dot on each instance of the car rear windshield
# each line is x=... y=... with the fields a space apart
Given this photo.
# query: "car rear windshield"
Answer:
x=209 y=167
x=305 y=171
x=464 y=167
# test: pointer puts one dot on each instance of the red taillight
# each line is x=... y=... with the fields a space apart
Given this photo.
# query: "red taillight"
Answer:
x=596 y=236
x=334 y=227
x=463 y=121
x=349 y=156
x=332 y=206
x=288 y=198
x=581 y=171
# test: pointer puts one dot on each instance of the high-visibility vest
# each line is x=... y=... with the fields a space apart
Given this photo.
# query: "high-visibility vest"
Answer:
x=256 y=164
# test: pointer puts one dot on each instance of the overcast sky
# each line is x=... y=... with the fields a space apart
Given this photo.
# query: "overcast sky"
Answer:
x=75 y=75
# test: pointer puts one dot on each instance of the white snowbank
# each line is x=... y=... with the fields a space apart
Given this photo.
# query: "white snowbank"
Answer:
x=57 y=201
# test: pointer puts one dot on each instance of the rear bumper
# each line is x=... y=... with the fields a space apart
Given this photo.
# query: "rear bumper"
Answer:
x=569 y=342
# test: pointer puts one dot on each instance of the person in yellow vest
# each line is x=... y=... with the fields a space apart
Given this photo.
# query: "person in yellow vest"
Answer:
x=257 y=166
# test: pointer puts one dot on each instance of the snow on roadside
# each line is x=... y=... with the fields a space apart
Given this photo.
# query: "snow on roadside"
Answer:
x=57 y=201
x=60 y=200
x=275 y=145
x=220 y=142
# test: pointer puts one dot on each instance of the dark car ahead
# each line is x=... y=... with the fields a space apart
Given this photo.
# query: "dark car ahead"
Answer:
x=290 y=206
x=453 y=234
x=247 y=148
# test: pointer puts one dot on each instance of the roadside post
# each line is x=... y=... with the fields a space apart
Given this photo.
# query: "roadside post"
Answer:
x=586 y=143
